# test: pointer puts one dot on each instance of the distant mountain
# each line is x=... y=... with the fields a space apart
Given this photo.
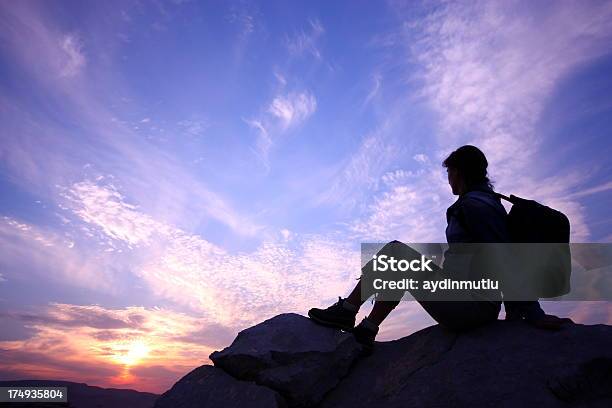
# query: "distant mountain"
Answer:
x=81 y=395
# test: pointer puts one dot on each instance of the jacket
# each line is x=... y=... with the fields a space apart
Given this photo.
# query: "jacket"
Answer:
x=476 y=217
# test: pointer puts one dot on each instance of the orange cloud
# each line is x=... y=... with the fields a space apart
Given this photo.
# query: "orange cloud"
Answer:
x=132 y=347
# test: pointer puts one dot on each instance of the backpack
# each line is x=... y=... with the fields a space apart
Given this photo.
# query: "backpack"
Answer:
x=532 y=222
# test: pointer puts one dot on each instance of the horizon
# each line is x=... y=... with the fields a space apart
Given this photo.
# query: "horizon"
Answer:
x=177 y=171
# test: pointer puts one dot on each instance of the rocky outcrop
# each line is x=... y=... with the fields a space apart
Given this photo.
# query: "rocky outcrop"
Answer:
x=208 y=386
x=501 y=365
x=291 y=354
x=288 y=360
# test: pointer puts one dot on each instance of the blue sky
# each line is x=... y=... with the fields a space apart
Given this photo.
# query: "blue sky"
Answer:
x=172 y=172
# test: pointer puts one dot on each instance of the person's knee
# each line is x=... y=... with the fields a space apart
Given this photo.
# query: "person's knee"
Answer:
x=400 y=250
x=396 y=246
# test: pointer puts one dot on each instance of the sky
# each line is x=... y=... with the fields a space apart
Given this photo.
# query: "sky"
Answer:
x=172 y=172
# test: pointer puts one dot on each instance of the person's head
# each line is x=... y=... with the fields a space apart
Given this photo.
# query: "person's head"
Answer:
x=466 y=167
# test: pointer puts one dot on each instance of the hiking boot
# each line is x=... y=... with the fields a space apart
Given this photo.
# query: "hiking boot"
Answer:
x=337 y=316
x=365 y=336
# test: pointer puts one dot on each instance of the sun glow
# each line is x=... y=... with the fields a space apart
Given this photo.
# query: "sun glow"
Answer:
x=132 y=353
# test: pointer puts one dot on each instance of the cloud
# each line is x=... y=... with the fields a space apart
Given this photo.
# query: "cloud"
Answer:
x=421 y=158
x=264 y=141
x=376 y=81
x=286 y=233
x=280 y=78
x=48 y=255
x=64 y=315
x=119 y=347
x=488 y=69
x=305 y=42
x=248 y=287
x=293 y=108
x=75 y=59
x=244 y=16
x=404 y=212
x=359 y=173
x=39 y=154
x=106 y=208
x=279 y=275
x=50 y=52
x=393 y=178
x=194 y=127
x=285 y=112
x=592 y=190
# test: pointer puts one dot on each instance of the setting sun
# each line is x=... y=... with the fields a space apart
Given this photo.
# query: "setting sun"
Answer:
x=136 y=351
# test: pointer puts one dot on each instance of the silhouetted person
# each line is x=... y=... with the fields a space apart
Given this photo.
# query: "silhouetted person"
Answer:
x=476 y=217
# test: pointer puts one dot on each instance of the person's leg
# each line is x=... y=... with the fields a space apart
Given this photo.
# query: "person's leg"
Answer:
x=342 y=314
x=365 y=332
x=455 y=315
x=458 y=314
x=381 y=310
x=354 y=298
x=462 y=315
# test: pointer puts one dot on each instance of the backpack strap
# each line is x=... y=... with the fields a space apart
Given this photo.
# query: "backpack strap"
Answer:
x=512 y=199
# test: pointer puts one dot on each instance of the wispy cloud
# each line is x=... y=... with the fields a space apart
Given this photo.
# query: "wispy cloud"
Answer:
x=408 y=210
x=28 y=249
x=106 y=208
x=243 y=15
x=293 y=108
x=36 y=147
x=306 y=41
x=75 y=59
x=192 y=271
x=194 y=128
x=592 y=190
x=264 y=141
x=489 y=84
x=286 y=112
x=50 y=53
x=282 y=276
x=360 y=172
x=376 y=81
x=488 y=69
x=421 y=158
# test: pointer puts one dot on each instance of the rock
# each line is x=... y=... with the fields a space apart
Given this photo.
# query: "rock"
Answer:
x=502 y=365
x=292 y=355
x=207 y=386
